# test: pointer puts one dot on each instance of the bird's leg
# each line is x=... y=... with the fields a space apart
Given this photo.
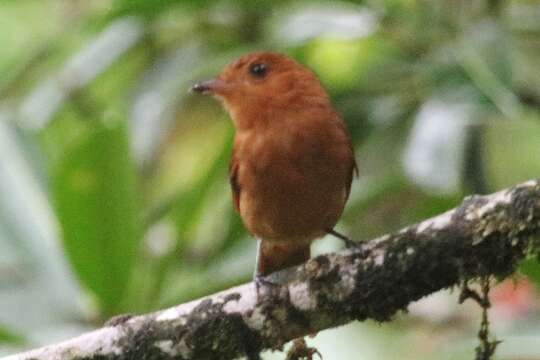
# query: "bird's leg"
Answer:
x=259 y=277
x=261 y=280
x=349 y=243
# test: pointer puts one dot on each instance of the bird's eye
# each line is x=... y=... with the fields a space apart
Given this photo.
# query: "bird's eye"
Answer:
x=258 y=70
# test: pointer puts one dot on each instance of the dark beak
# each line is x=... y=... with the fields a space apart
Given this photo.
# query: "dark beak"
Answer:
x=207 y=87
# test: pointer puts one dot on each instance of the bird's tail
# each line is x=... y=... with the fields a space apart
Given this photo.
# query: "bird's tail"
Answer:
x=274 y=256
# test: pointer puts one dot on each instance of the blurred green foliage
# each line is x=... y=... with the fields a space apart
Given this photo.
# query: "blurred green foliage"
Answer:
x=94 y=189
x=113 y=179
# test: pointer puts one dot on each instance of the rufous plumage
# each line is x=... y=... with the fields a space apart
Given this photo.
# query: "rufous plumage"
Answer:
x=292 y=162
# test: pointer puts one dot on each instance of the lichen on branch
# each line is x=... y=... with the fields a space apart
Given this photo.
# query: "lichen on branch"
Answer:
x=484 y=236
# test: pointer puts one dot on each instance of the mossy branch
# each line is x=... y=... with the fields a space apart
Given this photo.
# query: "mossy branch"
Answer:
x=484 y=236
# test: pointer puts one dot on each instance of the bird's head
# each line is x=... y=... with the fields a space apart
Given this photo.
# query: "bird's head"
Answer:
x=262 y=85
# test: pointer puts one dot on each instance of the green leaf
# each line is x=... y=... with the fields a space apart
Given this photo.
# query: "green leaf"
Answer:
x=531 y=268
x=150 y=9
x=188 y=208
x=141 y=7
x=7 y=336
x=37 y=291
x=512 y=151
x=95 y=193
x=185 y=209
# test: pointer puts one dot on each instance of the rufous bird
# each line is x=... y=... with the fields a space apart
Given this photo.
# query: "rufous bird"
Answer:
x=292 y=162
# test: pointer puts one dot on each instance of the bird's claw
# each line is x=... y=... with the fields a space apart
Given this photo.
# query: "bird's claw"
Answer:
x=261 y=281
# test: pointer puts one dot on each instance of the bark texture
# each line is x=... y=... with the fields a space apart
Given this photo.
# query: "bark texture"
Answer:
x=485 y=235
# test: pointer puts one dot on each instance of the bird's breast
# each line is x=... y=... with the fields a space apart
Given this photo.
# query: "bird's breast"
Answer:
x=293 y=181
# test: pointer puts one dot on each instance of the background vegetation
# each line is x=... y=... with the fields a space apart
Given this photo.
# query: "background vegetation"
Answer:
x=113 y=185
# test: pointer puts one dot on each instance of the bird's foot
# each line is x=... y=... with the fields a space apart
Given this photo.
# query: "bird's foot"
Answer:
x=261 y=281
x=349 y=243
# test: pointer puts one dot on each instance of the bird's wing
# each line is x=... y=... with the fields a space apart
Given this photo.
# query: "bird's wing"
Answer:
x=233 y=180
x=353 y=171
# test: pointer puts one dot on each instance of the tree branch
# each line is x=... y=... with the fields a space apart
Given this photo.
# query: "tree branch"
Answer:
x=485 y=235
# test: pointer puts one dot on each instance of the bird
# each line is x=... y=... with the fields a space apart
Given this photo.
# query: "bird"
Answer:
x=292 y=162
